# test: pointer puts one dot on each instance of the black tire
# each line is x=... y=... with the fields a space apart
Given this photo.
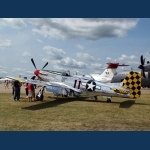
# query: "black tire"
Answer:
x=40 y=98
x=108 y=100
x=37 y=98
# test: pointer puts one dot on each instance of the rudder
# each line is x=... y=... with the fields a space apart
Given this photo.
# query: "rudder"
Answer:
x=133 y=82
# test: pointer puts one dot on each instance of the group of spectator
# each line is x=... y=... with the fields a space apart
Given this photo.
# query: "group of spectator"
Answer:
x=29 y=88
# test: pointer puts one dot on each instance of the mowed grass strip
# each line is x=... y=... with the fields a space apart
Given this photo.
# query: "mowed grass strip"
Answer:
x=67 y=114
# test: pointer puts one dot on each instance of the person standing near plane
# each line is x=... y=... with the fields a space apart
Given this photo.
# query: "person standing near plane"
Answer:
x=12 y=85
x=7 y=84
x=30 y=91
x=17 y=86
x=26 y=89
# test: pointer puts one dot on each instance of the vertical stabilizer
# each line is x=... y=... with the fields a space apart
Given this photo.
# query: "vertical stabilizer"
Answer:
x=110 y=71
x=133 y=82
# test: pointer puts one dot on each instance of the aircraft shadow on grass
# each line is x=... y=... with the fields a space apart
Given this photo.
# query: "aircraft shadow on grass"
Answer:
x=47 y=104
x=124 y=104
x=58 y=101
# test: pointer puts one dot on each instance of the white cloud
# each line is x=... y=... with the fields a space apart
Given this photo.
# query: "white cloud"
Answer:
x=85 y=56
x=25 y=54
x=72 y=63
x=133 y=62
x=78 y=28
x=54 y=53
x=15 y=23
x=125 y=57
x=80 y=47
x=96 y=65
x=4 y=72
x=1 y=67
x=66 y=62
x=45 y=59
x=40 y=41
x=5 y=43
x=23 y=61
x=58 y=68
x=30 y=72
x=108 y=58
x=18 y=69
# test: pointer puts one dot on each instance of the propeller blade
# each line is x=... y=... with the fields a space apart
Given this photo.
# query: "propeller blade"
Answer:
x=142 y=60
x=143 y=72
x=33 y=63
x=45 y=65
x=33 y=78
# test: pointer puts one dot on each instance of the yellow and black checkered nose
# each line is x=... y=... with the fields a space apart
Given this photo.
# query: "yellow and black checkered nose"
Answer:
x=133 y=82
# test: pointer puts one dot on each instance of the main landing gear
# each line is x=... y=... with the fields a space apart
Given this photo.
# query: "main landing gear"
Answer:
x=108 y=100
x=40 y=96
x=95 y=98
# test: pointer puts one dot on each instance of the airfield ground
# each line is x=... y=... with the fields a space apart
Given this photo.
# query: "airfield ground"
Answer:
x=67 y=114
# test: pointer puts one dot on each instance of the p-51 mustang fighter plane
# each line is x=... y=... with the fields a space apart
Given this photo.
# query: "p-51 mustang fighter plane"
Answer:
x=130 y=87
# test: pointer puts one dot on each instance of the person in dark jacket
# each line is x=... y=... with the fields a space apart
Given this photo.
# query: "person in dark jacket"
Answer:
x=17 y=86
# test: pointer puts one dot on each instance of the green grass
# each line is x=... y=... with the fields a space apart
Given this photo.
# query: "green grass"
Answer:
x=74 y=114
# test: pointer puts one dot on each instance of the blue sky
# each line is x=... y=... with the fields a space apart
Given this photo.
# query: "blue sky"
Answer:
x=77 y=44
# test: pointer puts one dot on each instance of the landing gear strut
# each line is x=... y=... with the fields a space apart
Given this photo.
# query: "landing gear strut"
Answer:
x=40 y=96
x=108 y=100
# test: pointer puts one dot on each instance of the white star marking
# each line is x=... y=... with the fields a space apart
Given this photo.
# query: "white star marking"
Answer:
x=91 y=86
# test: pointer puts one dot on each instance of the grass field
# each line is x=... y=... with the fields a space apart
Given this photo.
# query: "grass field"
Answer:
x=67 y=114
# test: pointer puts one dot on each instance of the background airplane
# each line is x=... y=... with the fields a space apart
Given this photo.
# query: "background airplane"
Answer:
x=121 y=75
x=145 y=71
x=108 y=74
x=9 y=78
x=144 y=67
x=2 y=80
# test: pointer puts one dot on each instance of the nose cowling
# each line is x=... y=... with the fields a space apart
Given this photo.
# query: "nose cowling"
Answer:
x=140 y=67
x=36 y=72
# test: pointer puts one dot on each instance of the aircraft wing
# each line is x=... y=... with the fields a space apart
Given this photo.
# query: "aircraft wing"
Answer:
x=3 y=79
x=20 y=79
x=12 y=78
x=53 y=84
x=62 y=85
x=37 y=82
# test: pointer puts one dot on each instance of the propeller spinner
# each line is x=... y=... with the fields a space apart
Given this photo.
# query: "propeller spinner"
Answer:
x=36 y=72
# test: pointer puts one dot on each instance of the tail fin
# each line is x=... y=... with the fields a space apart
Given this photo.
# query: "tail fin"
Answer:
x=110 y=71
x=133 y=82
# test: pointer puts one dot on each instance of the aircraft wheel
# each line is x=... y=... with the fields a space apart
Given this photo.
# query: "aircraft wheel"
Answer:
x=108 y=100
x=42 y=97
x=95 y=98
